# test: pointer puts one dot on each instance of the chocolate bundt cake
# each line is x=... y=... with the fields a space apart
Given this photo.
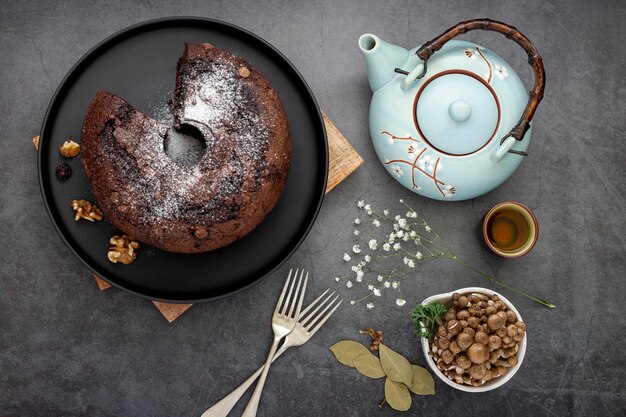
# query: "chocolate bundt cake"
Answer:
x=201 y=206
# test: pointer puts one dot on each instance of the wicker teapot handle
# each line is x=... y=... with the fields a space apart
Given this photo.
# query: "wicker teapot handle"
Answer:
x=534 y=59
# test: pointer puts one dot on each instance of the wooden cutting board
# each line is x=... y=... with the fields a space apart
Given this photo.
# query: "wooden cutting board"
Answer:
x=343 y=161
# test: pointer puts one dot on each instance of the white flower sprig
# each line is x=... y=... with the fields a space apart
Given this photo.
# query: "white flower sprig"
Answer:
x=406 y=238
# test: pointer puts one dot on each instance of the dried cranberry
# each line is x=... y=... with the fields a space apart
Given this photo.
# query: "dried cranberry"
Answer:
x=63 y=171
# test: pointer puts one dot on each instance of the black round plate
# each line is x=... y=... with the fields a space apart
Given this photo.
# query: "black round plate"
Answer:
x=139 y=64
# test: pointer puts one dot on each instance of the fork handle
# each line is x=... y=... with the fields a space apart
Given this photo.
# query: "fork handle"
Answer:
x=253 y=404
x=223 y=407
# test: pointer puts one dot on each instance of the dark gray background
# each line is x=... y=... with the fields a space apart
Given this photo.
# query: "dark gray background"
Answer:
x=68 y=349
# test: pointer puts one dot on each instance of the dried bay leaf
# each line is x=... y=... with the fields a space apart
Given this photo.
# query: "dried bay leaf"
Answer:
x=397 y=395
x=347 y=350
x=422 y=382
x=396 y=366
x=369 y=365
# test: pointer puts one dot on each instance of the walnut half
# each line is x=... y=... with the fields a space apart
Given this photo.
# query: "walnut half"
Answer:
x=122 y=249
x=85 y=210
x=69 y=149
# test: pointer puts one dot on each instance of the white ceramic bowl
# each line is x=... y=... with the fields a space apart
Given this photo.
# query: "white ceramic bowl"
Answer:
x=446 y=299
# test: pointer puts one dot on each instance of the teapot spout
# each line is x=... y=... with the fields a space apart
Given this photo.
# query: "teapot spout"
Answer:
x=381 y=59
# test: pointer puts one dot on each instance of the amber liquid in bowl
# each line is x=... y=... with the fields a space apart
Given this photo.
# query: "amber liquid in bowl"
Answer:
x=508 y=230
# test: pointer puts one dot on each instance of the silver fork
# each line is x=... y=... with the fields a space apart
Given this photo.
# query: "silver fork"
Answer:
x=283 y=322
x=308 y=324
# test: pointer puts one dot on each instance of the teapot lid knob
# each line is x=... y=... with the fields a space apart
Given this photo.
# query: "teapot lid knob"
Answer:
x=460 y=110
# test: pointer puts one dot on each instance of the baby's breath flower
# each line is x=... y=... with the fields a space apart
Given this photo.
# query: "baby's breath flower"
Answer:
x=369 y=306
x=353 y=302
x=401 y=200
x=391 y=232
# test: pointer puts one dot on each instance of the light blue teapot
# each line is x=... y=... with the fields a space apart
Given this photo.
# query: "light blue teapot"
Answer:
x=450 y=120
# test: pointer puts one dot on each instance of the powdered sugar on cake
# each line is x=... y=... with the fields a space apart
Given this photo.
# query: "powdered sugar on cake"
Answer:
x=219 y=107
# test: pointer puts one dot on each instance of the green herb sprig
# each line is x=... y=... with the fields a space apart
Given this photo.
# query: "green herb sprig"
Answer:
x=425 y=318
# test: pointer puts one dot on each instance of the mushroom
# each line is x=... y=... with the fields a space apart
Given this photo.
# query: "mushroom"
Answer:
x=499 y=305
x=502 y=315
x=443 y=343
x=512 y=361
x=477 y=371
x=454 y=327
x=511 y=330
x=512 y=351
x=494 y=356
x=518 y=337
x=463 y=315
x=473 y=321
x=494 y=322
x=481 y=337
x=447 y=356
x=464 y=340
x=441 y=331
x=502 y=363
x=478 y=353
x=463 y=362
x=463 y=323
x=501 y=370
x=507 y=339
x=450 y=314
x=462 y=301
x=469 y=331
x=489 y=310
x=501 y=332
x=454 y=347
x=521 y=325
x=494 y=342
x=511 y=317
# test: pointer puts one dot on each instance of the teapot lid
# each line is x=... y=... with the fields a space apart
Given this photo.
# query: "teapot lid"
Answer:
x=456 y=112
